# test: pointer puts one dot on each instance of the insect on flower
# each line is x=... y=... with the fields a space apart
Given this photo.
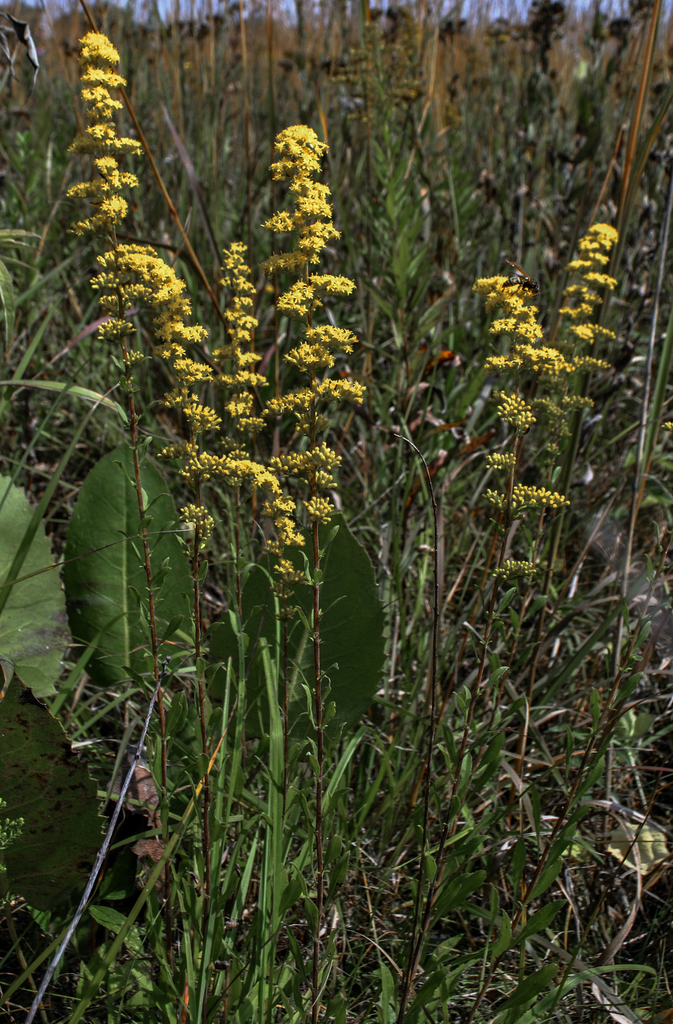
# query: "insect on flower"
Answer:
x=522 y=279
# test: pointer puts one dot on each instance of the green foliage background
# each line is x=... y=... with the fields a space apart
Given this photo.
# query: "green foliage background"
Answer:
x=482 y=861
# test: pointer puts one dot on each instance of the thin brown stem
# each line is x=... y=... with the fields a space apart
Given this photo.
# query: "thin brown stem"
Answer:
x=246 y=102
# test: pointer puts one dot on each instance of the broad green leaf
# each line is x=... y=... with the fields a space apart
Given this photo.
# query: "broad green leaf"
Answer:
x=44 y=783
x=351 y=633
x=33 y=633
x=7 y=303
x=632 y=727
x=104 y=575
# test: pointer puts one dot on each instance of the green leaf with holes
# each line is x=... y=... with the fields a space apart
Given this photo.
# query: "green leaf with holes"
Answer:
x=48 y=804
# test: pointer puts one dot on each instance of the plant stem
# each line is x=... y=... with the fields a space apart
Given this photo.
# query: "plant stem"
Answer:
x=153 y=627
x=319 y=776
x=415 y=941
x=204 y=732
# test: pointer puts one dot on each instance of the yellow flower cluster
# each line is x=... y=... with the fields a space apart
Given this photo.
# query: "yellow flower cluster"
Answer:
x=135 y=274
x=240 y=323
x=512 y=569
x=500 y=460
x=100 y=139
x=515 y=411
x=554 y=366
x=542 y=359
x=196 y=515
x=299 y=156
x=300 y=153
x=582 y=297
x=524 y=497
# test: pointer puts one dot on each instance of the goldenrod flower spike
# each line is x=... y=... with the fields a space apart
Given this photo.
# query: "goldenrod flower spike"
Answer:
x=594 y=249
x=554 y=366
x=100 y=139
x=240 y=324
x=512 y=569
x=516 y=412
x=299 y=154
x=524 y=497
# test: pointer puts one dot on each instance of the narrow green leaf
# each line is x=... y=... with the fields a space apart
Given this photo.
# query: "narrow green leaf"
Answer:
x=311 y=912
x=465 y=774
x=177 y=714
x=539 y=921
x=537 y=810
x=7 y=303
x=453 y=893
x=504 y=939
x=530 y=987
x=387 y=995
x=507 y=600
x=71 y=389
x=425 y=993
x=430 y=867
x=591 y=779
x=518 y=864
x=548 y=876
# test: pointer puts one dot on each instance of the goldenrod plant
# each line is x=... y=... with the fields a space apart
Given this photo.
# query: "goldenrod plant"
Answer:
x=120 y=265
x=299 y=155
x=546 y=373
